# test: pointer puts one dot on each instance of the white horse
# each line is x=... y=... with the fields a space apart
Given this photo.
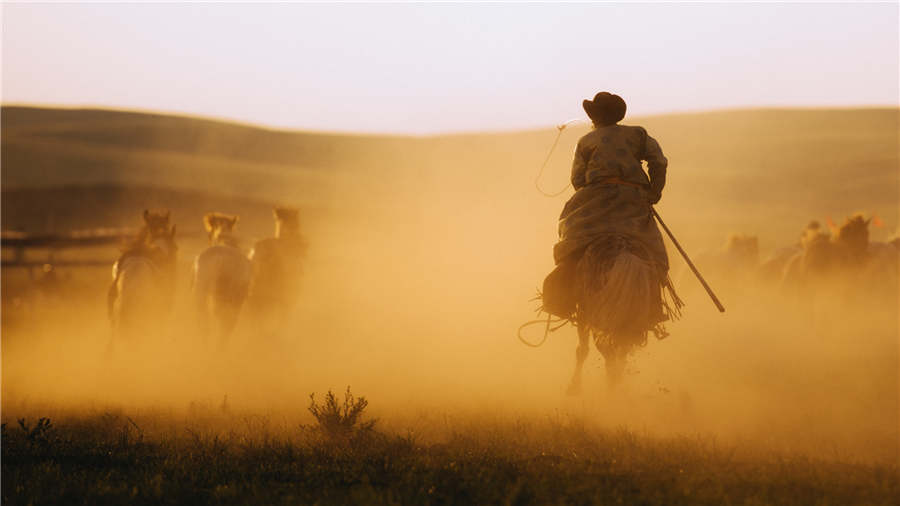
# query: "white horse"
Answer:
x=221 y=278
x=143 y=280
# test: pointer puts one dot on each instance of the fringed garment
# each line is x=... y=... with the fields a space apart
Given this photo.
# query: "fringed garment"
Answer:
x=622 y=282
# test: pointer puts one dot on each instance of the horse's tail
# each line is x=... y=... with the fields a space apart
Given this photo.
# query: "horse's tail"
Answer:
x=621 y=291
x=618 y=294
x=221 y=280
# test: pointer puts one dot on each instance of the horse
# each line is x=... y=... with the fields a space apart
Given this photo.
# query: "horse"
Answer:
x=811 y=262
x=731 y=269
x=143 y=279
x=623 y=294
x=221 y=277
x=276 y=271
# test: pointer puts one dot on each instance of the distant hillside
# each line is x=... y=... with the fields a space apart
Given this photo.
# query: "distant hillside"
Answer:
x=758 y=171
x=180 y=134
x=63 y=208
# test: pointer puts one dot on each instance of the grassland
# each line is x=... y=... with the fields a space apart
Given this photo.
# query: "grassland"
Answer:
x=109 y=458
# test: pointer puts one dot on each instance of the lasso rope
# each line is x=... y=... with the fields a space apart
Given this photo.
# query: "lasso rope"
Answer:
x=549 y=321
x=537 y=185
x=547 y=330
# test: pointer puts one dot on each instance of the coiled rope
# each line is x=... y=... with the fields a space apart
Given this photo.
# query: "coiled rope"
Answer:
x=549 y=322
x=547 y=330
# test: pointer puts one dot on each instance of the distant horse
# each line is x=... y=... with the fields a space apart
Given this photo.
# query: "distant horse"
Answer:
x=221 y=277
x=823 y=258
x=276 y=271
x=729 y=269
x=143 y=278
x=772 y=271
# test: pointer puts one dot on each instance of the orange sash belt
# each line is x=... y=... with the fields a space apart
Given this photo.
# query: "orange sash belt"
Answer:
x=615 y=180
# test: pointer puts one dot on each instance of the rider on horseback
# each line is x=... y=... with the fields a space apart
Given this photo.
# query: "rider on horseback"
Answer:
x=610 y=241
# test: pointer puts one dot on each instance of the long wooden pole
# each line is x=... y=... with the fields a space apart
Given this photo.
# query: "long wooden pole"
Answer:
x=688 y=260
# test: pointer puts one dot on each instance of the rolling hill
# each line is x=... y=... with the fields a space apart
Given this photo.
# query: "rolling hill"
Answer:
x=759 y=171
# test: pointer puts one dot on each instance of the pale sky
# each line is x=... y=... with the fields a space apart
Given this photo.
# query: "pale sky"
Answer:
x=433 y=68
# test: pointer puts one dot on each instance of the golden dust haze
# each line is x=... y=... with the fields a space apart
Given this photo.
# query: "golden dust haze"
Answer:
x=423 y=256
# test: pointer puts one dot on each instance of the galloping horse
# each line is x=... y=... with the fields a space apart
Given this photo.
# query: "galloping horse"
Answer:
x=143 y=278
x=622 y=296
x=221 y=277
x=276 y=271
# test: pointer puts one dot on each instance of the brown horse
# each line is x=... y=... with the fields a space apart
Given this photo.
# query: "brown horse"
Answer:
x=276 y=271
x=143 y=278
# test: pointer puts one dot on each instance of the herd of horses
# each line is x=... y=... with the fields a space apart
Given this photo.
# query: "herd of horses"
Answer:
x=824 y=260
x=225 y=282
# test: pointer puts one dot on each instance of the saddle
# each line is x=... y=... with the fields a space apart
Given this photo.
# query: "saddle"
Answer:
x=558 y=295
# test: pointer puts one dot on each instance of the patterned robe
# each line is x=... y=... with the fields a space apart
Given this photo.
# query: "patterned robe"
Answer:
x=596 y=209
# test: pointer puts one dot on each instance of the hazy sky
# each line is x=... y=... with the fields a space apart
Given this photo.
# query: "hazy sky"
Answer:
x=417 y=68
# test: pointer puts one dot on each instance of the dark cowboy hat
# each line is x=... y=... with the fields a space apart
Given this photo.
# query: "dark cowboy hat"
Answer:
x=606 y=108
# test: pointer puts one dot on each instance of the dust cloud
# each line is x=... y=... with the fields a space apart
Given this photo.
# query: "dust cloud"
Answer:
x=414 y=285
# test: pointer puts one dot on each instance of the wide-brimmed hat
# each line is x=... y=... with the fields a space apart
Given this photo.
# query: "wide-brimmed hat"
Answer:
x=606 y=108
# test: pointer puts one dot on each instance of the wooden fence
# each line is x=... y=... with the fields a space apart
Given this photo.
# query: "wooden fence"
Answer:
x=19 y=242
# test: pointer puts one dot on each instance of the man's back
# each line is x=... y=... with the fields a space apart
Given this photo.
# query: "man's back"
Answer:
x=616 y=152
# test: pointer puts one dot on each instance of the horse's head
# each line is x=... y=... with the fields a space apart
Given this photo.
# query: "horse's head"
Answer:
x=156 y=239
x=853 y=236
x=157 y=224
x=164 y=244
x=219 y=225
x=160 y=236
x=287 y=221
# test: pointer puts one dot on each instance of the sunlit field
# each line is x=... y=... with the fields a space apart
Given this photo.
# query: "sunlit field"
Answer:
x=424 y=255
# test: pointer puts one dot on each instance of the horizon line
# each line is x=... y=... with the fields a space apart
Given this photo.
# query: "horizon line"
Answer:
x=447 y=133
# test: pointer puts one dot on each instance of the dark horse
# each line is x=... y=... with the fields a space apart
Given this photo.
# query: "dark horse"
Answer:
x=276 y=271
x=143 y=278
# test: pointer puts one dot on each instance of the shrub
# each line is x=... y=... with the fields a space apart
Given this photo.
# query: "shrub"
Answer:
x=341 y=422
x=39 y=434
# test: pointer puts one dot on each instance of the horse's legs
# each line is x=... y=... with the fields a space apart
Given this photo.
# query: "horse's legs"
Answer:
x=614 y=359
x=581 y=353
x=227 y=322
x=226 y=313
x=201 y=316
